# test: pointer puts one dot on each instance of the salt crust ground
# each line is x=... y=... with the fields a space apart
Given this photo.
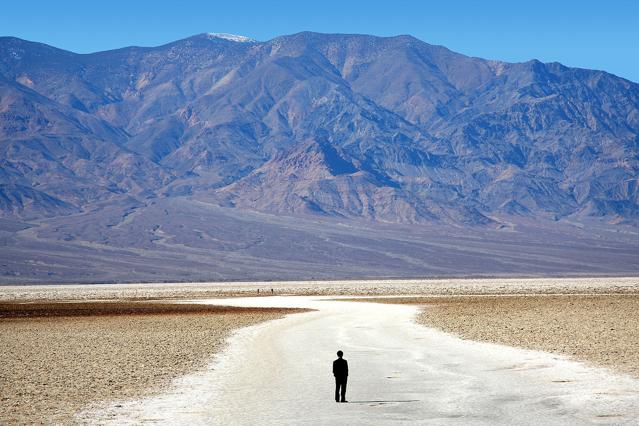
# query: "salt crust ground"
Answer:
x=352 y=287
x=600 y=329
x=401 y=373
x=198 y=290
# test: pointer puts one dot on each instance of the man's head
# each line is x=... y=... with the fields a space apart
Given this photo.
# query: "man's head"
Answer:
x=340 y=354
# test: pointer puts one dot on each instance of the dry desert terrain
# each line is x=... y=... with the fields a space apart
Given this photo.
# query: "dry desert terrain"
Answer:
x=64 y=347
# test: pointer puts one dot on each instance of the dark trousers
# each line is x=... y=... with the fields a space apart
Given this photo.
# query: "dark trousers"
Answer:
x=340 y=388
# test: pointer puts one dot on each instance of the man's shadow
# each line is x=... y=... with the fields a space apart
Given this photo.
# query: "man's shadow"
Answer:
x=383 y=401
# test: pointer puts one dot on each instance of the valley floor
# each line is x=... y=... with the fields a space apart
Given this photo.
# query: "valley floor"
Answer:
x=127 y=367
x=598 y=328
x=57 y=357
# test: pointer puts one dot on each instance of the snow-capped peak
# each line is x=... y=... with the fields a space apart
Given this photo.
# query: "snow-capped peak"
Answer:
x=231 y=37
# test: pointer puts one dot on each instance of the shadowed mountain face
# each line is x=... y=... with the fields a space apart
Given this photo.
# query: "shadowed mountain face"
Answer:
x=387 y=129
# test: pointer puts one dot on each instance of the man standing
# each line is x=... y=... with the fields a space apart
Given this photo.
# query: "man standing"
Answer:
x=340 y=371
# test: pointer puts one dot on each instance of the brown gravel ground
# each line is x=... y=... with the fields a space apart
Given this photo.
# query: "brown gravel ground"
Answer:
x=600 y=329
x=56 y=358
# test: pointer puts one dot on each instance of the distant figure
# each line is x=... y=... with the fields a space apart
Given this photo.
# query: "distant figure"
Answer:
x=340 y=371
x=258 y=291
x=271 y=291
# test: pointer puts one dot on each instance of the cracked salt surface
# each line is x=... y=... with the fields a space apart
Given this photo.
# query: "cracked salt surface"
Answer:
x=279 y=372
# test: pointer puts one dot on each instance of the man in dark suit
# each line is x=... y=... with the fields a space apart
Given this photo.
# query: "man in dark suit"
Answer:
x=340 y=371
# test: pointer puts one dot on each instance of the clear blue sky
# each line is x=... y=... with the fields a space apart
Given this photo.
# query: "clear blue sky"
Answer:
x=591 y=34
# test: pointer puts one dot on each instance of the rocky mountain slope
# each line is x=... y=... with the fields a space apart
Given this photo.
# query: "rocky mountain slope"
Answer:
x=386 y=129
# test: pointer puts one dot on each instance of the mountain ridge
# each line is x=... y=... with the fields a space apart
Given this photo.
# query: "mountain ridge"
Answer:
x=429 y=134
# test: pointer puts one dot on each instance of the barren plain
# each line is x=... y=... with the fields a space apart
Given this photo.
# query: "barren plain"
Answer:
x=64 y=348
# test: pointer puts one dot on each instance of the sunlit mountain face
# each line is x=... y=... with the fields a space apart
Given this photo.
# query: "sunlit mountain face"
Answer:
x=389 y=129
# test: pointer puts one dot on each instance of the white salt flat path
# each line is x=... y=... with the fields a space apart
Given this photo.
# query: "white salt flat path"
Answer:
x=400 y=372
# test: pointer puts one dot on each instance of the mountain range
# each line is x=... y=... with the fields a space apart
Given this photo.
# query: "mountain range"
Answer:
x=328 y=126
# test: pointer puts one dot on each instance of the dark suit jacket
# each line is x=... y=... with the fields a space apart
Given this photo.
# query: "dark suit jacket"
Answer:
x=340 y=368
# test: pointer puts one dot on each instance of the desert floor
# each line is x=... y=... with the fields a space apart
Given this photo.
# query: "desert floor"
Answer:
x=173 y=367
x=55 y=358
x=600 y=329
